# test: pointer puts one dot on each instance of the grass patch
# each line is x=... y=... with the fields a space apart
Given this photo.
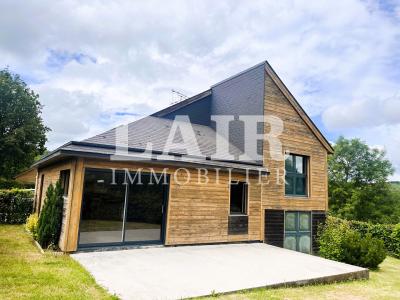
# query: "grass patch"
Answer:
x=384 y=283
x=25 y=273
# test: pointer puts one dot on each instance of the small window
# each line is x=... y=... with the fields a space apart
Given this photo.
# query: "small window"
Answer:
x=238 y=200
x=64 y=180
x=296 y=175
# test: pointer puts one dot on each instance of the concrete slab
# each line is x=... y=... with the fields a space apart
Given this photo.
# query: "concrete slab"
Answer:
x=190 y=271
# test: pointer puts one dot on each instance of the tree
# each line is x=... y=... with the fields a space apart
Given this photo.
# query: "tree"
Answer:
x=358 y=187
x=50 y=219
x=22 y=133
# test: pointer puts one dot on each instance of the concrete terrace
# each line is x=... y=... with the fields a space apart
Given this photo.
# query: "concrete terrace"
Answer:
x=191 y=271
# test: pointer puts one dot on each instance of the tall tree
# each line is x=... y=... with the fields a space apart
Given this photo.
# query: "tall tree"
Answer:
x=22 y=132
x=358 y=187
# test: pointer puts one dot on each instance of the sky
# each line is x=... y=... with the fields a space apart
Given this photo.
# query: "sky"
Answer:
x=99 y=64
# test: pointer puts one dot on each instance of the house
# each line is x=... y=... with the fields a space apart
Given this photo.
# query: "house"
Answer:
x=200 y=195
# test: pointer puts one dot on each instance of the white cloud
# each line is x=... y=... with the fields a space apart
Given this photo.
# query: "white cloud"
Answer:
x=340 y=58
x=366 y=112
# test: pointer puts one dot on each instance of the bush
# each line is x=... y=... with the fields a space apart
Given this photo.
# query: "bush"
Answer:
x=379 y=231
x=383 y=232
x=338 y=241
x=49 y=224
x=330 y=238
x=372 y=252
x=13 y=184
x=32 y=224
x=395 y=237
x=15 y=206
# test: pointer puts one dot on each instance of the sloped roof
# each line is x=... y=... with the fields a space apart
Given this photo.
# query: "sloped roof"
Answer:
x=179 y=105
x=156 y=131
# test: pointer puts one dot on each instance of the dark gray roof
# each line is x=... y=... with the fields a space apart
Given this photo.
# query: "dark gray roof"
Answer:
x=156 y=131
x=91 y=150
x=153 y=130
x=179 y=105
x=239 y=94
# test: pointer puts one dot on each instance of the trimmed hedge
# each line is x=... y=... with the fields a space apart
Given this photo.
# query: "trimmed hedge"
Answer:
x=395 y=241
x=15 y=206
x=9 y=184
x=388 y=233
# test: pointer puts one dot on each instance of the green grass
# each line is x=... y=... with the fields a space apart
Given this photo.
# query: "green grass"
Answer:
x=25 y=273
x=384 y=283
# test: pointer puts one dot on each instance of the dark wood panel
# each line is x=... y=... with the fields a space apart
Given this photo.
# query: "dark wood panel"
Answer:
x=238 y=224
x=274 y=227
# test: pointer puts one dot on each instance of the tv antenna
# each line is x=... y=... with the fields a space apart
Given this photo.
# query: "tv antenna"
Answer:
x=177 y=96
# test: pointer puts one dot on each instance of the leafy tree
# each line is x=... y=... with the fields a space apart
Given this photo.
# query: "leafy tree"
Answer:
x=358 y=187
x=22 y=133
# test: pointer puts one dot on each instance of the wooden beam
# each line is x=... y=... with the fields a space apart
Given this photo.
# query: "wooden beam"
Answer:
x=75 y=207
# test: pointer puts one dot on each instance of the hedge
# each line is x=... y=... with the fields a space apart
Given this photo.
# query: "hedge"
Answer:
x=13 y=184
x=388 y=233
x=15 y=205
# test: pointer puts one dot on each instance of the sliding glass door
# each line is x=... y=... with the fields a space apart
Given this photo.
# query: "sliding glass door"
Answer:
x=114 y=212
x=102 y=207
x=144 y=214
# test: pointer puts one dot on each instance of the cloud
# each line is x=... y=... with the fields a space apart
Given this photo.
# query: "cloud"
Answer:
x=57 y=59
x=91 y=61
x=367 y=112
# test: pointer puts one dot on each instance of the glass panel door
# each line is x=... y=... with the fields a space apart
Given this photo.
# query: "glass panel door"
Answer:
x=102 y=207
x=144 y=214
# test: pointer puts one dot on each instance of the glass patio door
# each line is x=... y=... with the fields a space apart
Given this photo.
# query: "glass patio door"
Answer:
x=298 y=231
x=102 y=211
x=144 y=215
x=114 y=212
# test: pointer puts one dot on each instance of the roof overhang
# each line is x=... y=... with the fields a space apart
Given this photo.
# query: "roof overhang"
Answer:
x=107 y=152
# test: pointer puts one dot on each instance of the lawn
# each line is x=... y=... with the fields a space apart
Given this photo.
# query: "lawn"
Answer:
x=25 y=273
x=383 y=284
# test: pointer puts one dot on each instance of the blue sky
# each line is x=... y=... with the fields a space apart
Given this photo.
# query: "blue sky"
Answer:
x=100 y=64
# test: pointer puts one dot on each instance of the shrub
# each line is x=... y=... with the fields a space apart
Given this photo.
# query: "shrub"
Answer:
x=32 y=224
x=383 y=232
x=338 y=241
x=330 y=239
x=13 y=184
x=379 y=231
x=395 y=237
x=372 y=252
x=15 y=205
x=49 y=224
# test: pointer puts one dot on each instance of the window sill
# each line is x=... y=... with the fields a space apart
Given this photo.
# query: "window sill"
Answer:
x=238 y=215
x=294 y=197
